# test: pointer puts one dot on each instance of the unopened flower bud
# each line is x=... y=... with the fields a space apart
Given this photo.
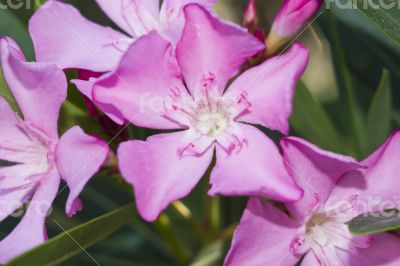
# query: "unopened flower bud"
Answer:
x=292 y=17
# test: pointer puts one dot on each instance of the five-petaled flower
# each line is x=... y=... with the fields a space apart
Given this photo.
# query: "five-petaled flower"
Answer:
x=336 y=189
x=72 y=41
x=175 y=69
x=191 y=87
x=40 y=158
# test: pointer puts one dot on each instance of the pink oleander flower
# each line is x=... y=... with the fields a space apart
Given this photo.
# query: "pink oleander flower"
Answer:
x=40 y=157
x=336 y=189
x=72 y=41
x=155 y=88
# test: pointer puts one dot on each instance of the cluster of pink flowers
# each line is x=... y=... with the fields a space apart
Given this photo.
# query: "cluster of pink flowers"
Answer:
x=170 y=70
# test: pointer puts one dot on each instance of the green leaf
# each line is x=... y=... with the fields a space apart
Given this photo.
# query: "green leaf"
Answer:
x=310 y=120
x=346 y=86
x=375 y=222
x=71 y=115
x=396 y=118
x=11 y=25
x=72 y=242
x=386 y=19
x=361 y=23
x=379 y=120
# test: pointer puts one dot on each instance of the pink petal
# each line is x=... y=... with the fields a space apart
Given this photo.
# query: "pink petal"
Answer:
x=38 y=88
x=143 y=83
x=270 y=88
x=86 y=88
x=139 y=17
x=263 y=237
x=31 y=231
x=90 y=46
x=310 y=259
x=158 y=174
x=12 y=138
x=17 y=176
x=79 y=157
x=377 y=186
x=194 y=143
x=114 y=9
x=15 y=191
x=257 y=169
x=384 y=251
x=172 y=19
x=210 y=45
x=316 y=171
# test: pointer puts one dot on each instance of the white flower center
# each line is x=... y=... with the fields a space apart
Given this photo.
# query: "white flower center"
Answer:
x=325 y=232
x=210 y=118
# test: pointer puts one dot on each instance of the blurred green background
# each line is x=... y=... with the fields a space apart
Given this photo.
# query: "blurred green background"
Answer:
x=336 y=107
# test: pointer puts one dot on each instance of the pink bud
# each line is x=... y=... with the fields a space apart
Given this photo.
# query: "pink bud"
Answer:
x=293 y=15
x=250 y=18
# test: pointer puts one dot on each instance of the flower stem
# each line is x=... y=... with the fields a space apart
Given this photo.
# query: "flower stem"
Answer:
x=184 y=212
x=215 y=218
x=163 y=224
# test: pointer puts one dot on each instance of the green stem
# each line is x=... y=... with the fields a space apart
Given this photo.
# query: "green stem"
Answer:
x=212 y=206
x=347 y=83
x=163 y=224
x=228 y=232
x=215 y=218
x=184 y=212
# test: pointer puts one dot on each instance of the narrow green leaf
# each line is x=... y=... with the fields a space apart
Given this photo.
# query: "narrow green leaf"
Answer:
x=379 y=120
x=310 y=120
x=137 y=225
x=362 y=24
x=64 y=246
x=11 y=26
x=345 y=81
x=163 y=224
x=387 y=19
x=375 y=222
x=209 y=255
